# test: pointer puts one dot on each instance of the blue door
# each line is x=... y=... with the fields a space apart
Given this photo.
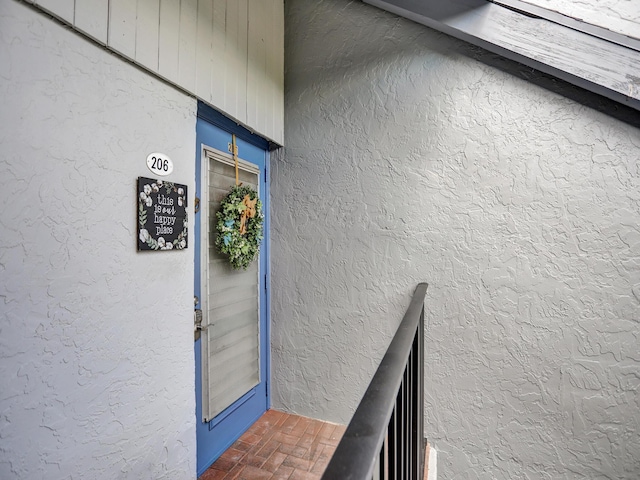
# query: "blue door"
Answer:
x=226 y=407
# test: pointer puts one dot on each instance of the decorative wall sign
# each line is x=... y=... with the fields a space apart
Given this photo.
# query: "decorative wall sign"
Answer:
x=162 y=215
x=160 y=164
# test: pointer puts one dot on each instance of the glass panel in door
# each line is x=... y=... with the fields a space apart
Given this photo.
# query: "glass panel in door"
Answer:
x=232 y=337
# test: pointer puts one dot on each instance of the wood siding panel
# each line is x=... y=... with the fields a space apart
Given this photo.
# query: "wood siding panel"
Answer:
x=91 y=18
x=277 y=59
x=218 y=54
x=240 y=60
x=235 y=64
x=267 y=110
x=256 y=64
x=63 y=9
x=265 y=76
x=122 y=27
x=228 y=53
x=230 y=78
x=204 y=44
x=275 y=79
x=187 y=47
x=169 y=40
x=147 y=27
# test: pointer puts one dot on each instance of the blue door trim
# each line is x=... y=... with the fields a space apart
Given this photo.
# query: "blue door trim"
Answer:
x=220 y=427
x=214 y=117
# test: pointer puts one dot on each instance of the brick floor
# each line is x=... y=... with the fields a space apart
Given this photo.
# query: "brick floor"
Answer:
x=279 y=446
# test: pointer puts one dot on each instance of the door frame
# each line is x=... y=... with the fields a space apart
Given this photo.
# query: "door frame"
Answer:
x=216 y=119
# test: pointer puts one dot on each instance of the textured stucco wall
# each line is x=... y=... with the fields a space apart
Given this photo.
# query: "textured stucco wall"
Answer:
x=96 y=345
x=410 y=158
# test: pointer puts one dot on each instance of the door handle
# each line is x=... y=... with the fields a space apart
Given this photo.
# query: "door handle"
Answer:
x=197 y=324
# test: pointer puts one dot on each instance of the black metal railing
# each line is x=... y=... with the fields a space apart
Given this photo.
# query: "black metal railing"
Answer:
x=384 y=439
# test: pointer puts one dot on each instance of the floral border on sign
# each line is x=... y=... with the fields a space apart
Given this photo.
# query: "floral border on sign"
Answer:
x=145 y=200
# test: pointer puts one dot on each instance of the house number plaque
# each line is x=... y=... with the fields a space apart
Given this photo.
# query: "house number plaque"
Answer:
x=159 y=164
x=162 y=215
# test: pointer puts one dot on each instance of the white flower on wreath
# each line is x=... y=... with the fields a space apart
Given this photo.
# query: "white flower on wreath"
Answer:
x=143 y=196
x=180 y=200
x=144 y=235
x=155 y=188
x=180 y=191
x=161 y=242
x=147 y=189
x=168 y=246
x=183 y=243
x=148 y=202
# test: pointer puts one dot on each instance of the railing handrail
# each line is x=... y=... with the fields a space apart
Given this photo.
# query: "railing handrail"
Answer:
x=355 y=456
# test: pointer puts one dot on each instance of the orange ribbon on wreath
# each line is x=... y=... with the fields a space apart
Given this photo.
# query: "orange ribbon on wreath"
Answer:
x=248 y=212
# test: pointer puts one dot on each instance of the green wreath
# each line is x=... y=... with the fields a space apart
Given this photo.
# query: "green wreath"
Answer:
x=239 y=226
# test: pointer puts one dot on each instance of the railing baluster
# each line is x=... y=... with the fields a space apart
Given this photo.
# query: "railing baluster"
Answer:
x=391 y=432
x=407 y=427
x=386 y=457
x=393 y=468
x=407 y=422
x=384 y=440
x=419 y=400
x=418 y=433
x=403 y=427
x=412 y=413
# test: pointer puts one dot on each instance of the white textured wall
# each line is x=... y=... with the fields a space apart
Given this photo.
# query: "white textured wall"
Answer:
x=96 y=345
x=409 y=160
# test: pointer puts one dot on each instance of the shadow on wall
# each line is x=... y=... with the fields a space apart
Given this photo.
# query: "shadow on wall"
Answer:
x=358 y=51
x=584 y=97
